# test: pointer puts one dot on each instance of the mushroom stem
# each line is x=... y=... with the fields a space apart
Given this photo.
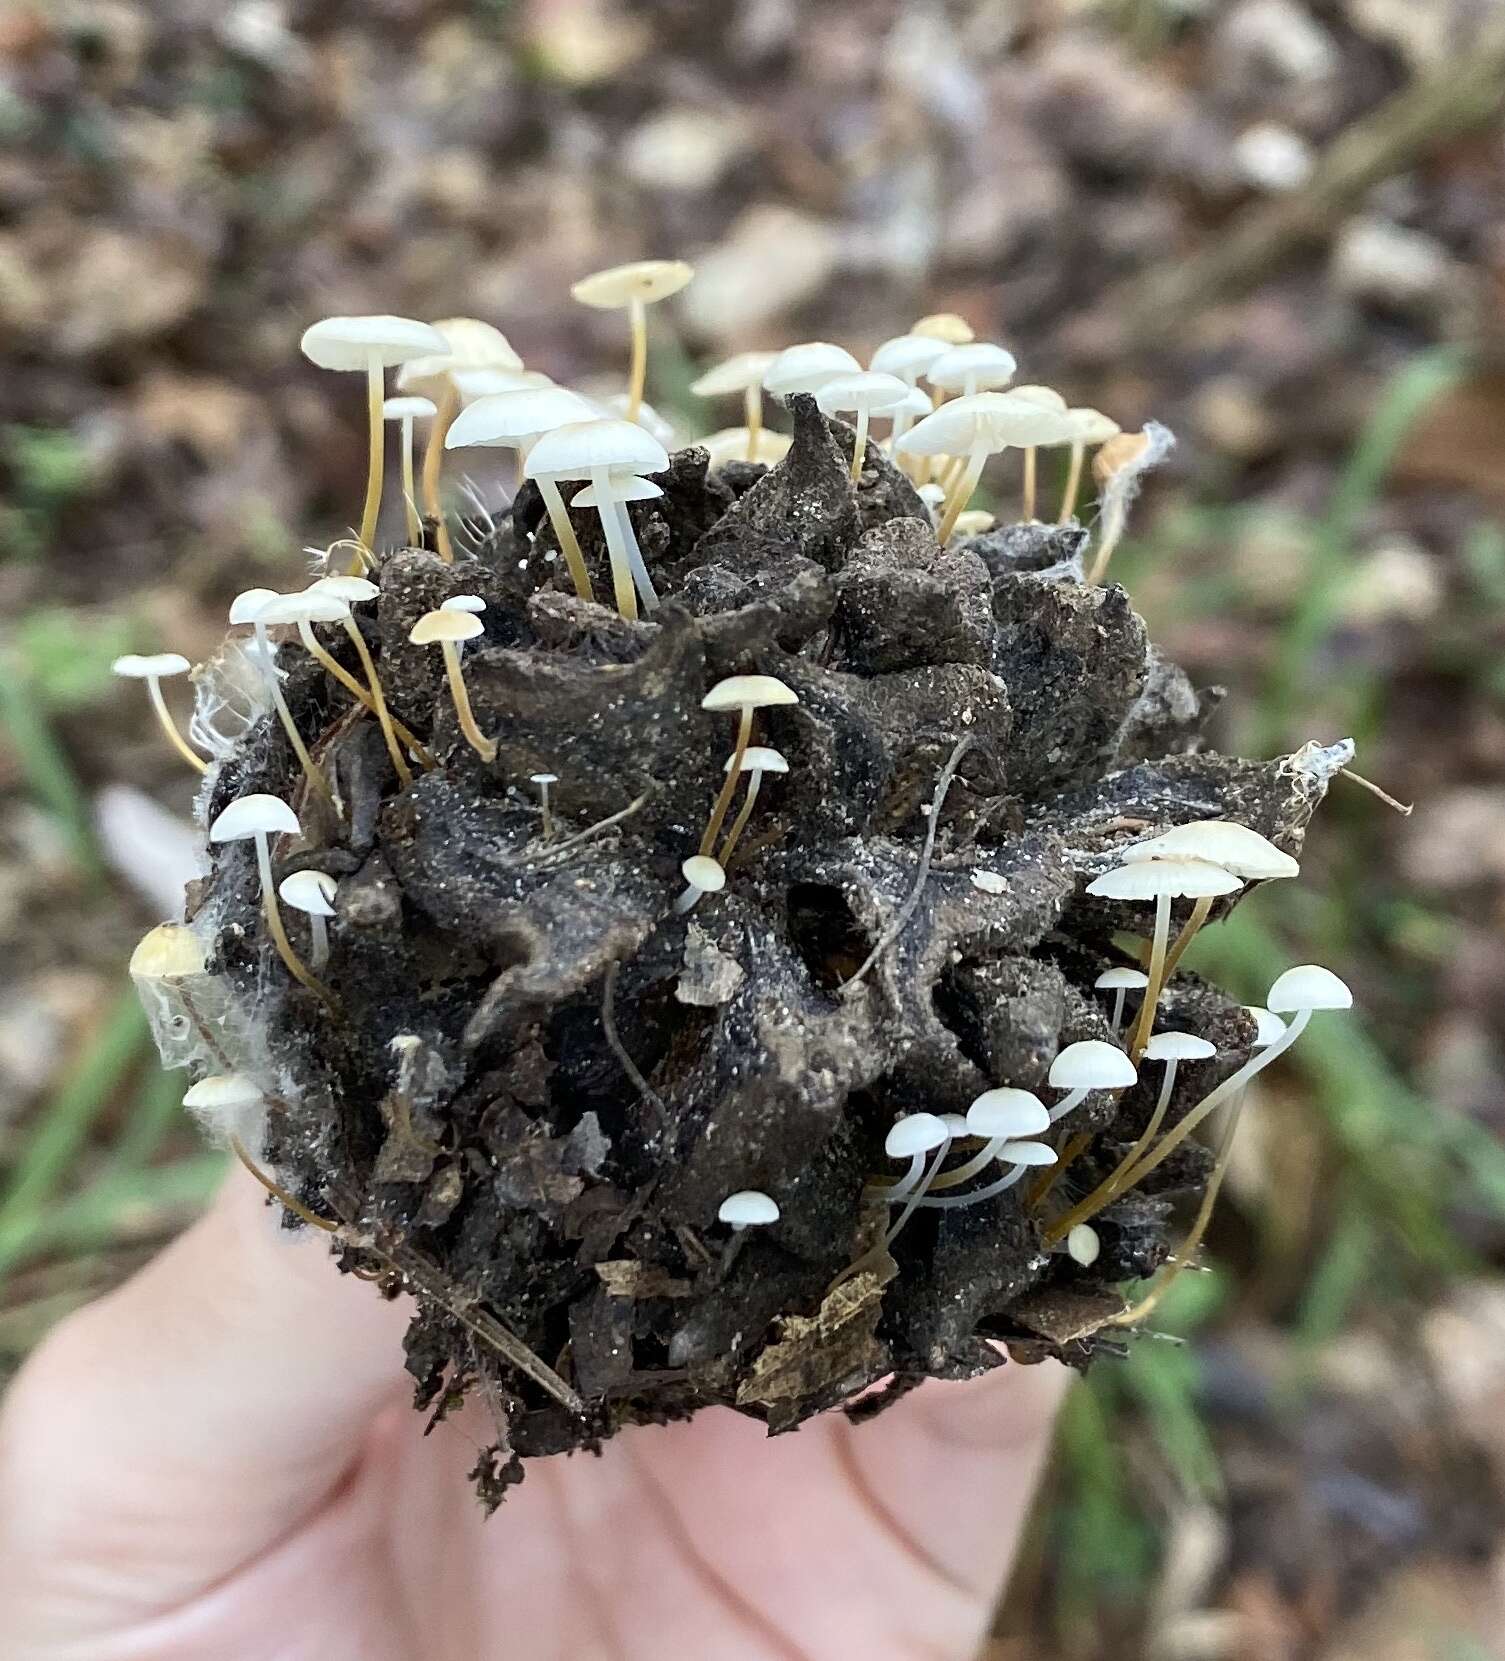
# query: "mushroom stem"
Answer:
x=409 y=495
x=318 y=930
x=1115 y=517
x=1155 y=969
x=484 y=747
x=317 y=782
x=859 y=445
x=179 y=743
x=999 y=1186
x=1189 y=931
x=1120 y=993
x=569 y=543
x=637 y=317
x=729 y=787
x=1031 y=479
x=373 y=698
x=978 y=1162
x=376 y=460
x=1073 y=482
x=1119 y=1178
x=744 y=813
x=962 y=492
x=623 y=584
x=295 y=965
x=917 y=1194
x=752 y=417
x=647 y=593
x=1072 y=1099
x=433 y=461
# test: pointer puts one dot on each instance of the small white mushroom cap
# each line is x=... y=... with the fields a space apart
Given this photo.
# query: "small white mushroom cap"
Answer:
x=576 y=449
x=748 y=692
x=876 y=393
x=1045 y=396
x=731 y=444
x=1083 y=1245
x=620 y=285
x=223 y=1093
x=1128 y=980
x=1223 y=842
x=464 y=602
x=254 y=815
x=704 y=873
x=1008 y=1112
x=469 y=344
x=352 y=342
x=1179 y=1046
x=807 y=367
x=1308 y=986
x=408 y=408
x=1148 y=879
x=759 y=758
x=1267 y=1026
x=310 y=605
x=472 y=384
x=353 y=591
x=437 y=626
x=917 y=404
x=647 y=417
x=748 y=1209
x=914 y=1133
x=986 y=365
x=995 y=420
x=956 y=1124
x=246 y=606
x=932 y=495
x=171 y=951
x=134 y=667
x=543 y=778
x=908 y=355
x=506 y=419
x=310 y=891
x=1027 y=1153
x=620 y=487
x=946 y=326
x=974 y=522
x=1091 y=426
x=1092 y=1065
x=736 y=374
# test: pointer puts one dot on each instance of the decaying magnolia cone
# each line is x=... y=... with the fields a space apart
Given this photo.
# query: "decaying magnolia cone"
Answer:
x=724 y=1005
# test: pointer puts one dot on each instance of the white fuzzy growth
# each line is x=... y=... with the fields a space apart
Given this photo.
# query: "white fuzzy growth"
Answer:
x=1123 y=487
x=230 y=697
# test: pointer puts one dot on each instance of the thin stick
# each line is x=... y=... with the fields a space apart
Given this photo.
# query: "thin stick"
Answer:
x=376 y=458
x=619 y=1049
x=1405 y=809
x=179 y=743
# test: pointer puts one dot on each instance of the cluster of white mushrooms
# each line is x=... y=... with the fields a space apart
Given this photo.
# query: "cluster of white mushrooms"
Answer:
x=461 y=379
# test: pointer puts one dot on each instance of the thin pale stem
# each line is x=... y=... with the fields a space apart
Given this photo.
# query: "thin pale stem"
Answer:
x=993 y=1189
x=752 y=418
x=278 y=1192
x=1073 y=483
x=1120 y=993
x=318 y=929
x=379 y=701
x=647 y=593
x=484 y=747
x=1118 y=1179
x=359 y=692
x=918 y=1194
x=569 y=543
x=623 y=588
x=744 y=813
x=315 y=776
x=1031 y=480
x=169 y=726
x=376 y=460
x=978 y=1162
x=273 y=912
x=409 y=498
x=859 y=445
x=637 y=379
x=433 y=463
x=961 y=495
x=1145 y=1025
x=1189 y=931
x=1072 y=1100
x=1115 y=517
x=729 y=788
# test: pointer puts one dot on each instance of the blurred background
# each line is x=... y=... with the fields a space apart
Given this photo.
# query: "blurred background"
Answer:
x=1275 y=225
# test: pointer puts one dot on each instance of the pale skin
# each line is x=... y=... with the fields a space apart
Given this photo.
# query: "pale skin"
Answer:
x=217 y=1463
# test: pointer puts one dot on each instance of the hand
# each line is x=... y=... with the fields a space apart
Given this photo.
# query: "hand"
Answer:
x=218 y=1461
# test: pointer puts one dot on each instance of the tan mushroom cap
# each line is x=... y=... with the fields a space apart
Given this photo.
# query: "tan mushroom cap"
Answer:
x=620 y=285
x=1121 y=451
x=171 y=951
x=944 y=325
x=410 y=407
x=735 y=374
x=748 y=692
x=353 y=342
x=435 y=627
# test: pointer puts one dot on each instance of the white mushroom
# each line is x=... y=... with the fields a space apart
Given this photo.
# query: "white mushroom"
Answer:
x=446 y=630
x=702 y=875
x=373 y=345
x=740 y=374
x=978 y=366
x=807 y=367
x=1001 y=1116
x=152 y=670
x=867 y=393
x=757 y=759
x=745 y=694
x=1120 y=981
x=543 y=781
x=748 y=1208
x=596 y=450
x=1086 y=1066
x=312 y=892
x=634 y=287
x=1047 y=398
x=405 y=411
